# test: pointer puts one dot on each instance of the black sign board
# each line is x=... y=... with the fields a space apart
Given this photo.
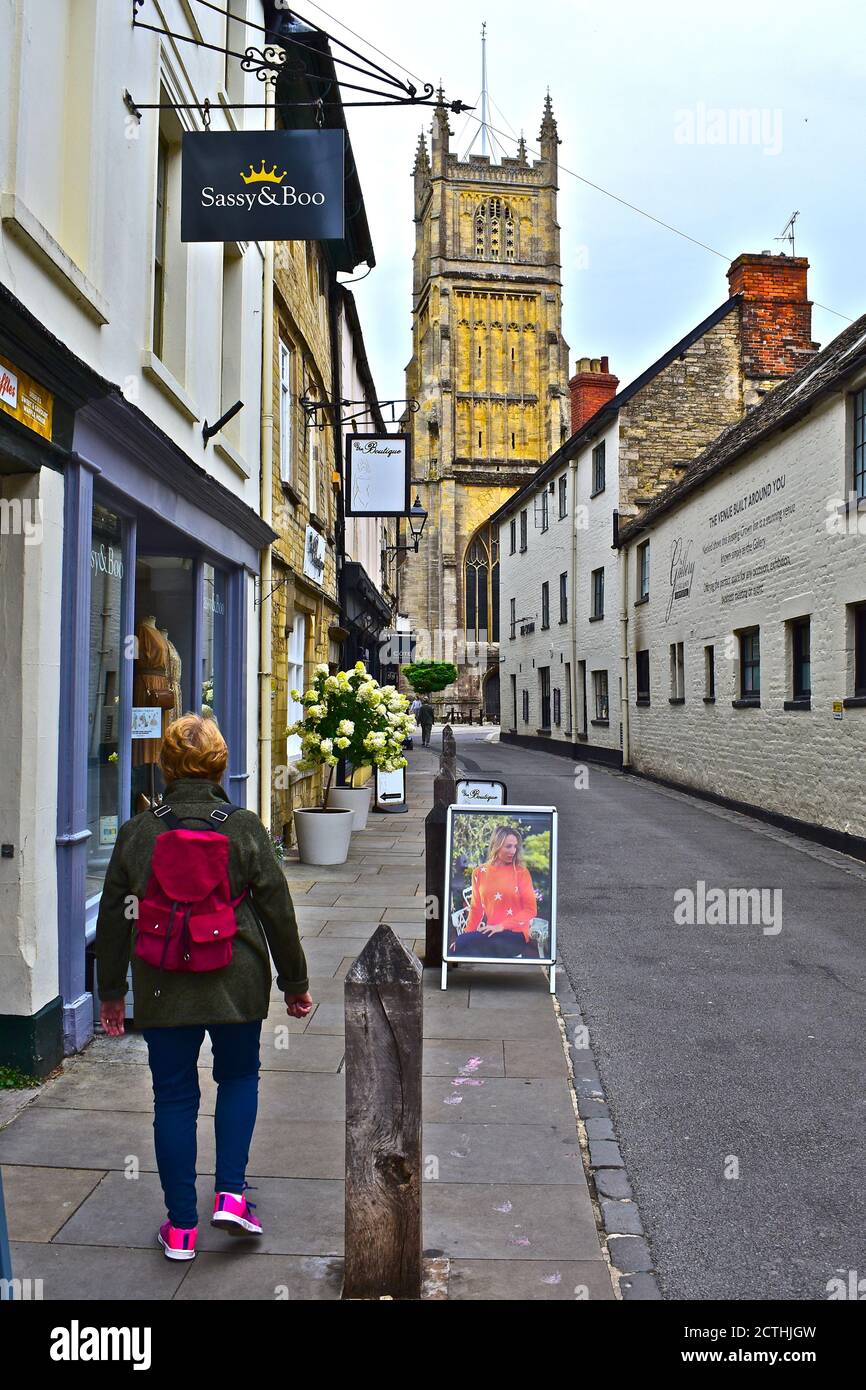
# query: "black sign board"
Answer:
x=266 y=185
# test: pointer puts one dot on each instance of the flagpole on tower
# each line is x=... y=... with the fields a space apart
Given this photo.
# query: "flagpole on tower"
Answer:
x=484 y=87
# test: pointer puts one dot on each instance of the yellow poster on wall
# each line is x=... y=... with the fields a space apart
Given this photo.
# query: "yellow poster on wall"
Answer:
x=25 y=400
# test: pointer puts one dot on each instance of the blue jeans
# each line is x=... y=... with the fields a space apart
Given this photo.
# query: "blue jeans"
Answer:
x=173 y=1056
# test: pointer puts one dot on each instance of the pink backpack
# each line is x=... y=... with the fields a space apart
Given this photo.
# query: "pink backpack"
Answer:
x=186 y=919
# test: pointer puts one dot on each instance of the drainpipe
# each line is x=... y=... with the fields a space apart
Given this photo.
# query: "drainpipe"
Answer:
x=622 y=560
x=266 y=507
x=572 y=611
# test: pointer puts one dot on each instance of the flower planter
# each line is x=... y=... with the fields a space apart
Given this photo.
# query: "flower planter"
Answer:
x=355 y=799
x=323 y=836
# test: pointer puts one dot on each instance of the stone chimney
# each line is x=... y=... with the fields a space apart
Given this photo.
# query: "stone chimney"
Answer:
x=591 y=387
x=775 y=317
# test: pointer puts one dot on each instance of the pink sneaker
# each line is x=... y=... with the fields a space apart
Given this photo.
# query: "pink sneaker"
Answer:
x=177 y=1243
x=233 y=1213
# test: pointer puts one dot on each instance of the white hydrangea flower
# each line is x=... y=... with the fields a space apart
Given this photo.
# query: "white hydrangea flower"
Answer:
x=346 y=727
x=327 y=745
x=342 y=742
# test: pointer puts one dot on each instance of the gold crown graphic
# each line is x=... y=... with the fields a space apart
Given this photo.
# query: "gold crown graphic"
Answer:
x=263 y=176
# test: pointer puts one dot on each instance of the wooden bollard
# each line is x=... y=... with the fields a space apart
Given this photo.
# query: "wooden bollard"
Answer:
x=384 y=1031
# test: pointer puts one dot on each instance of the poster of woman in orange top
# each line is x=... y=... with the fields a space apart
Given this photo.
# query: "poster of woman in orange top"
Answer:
x=501 y=884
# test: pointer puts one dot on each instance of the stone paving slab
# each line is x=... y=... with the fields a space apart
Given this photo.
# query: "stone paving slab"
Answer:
x=502 y=1153
x=243 y=1276
x=96 y=1273
x=463 y=1056
x=510 y=1221
x=474 y=1099
x=39 y=1201
x=301 y=1216
x=530 y=1280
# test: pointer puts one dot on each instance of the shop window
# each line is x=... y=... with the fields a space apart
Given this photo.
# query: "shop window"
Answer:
x=104 y=812
x=642 y=677
x=600 y=693
x=643 y=571
x=287 y=440
x=213 y=669
x=678 y=674
x=709 y=675
x=163 y=687
x=597 y=595
x=295 y=678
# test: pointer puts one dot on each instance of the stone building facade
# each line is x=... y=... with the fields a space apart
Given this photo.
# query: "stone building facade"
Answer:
x=488 y=370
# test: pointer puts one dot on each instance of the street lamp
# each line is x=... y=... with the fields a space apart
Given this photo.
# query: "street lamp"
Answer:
x=417 y=518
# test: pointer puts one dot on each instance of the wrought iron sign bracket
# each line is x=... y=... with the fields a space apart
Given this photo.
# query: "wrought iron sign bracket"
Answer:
x=311 y=409
x=277 y=55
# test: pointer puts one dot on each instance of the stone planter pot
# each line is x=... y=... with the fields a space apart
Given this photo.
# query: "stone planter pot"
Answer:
x=355 y=799
x=323 y=836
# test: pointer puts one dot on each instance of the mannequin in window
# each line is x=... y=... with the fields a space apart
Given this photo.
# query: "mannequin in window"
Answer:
x=150 y=682
x=175 y=671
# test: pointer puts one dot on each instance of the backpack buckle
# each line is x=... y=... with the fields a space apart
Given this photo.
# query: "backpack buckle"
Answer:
x=219 y=815
x=162 y=810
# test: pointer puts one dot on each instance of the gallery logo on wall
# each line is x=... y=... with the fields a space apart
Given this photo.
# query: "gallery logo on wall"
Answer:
x=682 y=572
x=377 y=474
x=275 y=185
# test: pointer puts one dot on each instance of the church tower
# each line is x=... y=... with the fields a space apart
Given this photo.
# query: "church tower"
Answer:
x=489 y=371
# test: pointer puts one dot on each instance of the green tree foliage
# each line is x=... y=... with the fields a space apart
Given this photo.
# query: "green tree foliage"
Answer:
x=425 y=677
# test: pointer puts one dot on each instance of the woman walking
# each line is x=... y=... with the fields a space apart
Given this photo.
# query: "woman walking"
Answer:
x=199 y=880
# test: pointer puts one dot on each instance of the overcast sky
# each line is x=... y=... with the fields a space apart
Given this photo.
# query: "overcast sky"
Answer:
x=647 y=98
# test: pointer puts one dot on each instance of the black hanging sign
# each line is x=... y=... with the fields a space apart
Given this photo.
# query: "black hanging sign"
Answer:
x=266 y=185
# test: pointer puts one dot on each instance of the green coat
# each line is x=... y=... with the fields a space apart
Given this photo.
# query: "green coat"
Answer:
x=239 y=992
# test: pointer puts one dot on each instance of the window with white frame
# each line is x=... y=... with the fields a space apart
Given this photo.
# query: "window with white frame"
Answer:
x=286 y=432
x=295 y=675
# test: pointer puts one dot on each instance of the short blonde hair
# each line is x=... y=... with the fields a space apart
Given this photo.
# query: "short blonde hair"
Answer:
x=193 y=747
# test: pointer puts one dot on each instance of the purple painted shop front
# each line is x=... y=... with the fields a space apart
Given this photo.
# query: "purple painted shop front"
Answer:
x=158 y=563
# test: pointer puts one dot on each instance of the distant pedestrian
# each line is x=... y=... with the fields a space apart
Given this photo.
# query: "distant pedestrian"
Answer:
x=180 y=888
x=426 y=715
x=415 y=708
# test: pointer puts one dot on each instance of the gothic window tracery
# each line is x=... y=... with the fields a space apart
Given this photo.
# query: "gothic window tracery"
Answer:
x=481 y=585
x=494 y=231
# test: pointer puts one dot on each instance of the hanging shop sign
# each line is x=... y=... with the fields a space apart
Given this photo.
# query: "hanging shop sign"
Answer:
x=25 y=400
x=274 y=185
x=378 y=470
x=314 y=555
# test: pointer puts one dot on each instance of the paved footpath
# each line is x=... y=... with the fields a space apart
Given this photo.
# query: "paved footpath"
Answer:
x=508 y=1217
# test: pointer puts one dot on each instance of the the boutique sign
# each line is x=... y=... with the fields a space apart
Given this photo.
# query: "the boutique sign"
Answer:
x=275 y=185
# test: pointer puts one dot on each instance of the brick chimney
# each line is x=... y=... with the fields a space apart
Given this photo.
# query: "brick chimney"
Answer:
x=591 y=387
x=776 y=315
